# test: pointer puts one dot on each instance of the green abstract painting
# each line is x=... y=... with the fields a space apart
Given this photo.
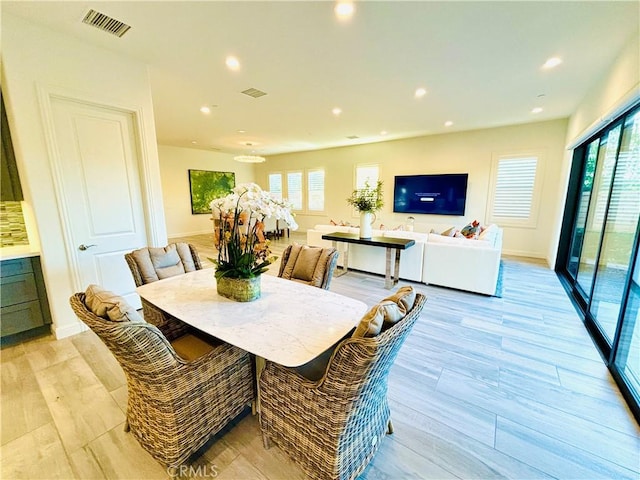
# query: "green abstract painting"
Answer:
x=206 y=186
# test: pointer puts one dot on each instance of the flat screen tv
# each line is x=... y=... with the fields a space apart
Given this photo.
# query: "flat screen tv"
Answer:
x=444 y=194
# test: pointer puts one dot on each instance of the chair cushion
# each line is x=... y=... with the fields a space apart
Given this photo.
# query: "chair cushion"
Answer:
x=110 y=306
x=372 y=322
x=186 y=257
x=166 y=261
x=306 y=263
x=404 y=297
x=294 y=251
x=190 y=347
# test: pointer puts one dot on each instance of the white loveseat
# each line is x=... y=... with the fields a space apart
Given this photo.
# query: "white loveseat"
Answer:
x=471 y=265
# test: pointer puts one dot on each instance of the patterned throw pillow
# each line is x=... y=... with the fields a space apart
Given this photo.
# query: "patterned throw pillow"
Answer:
x=471 y=230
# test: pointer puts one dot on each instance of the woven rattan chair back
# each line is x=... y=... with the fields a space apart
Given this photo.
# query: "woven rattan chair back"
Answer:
x=174 y=406
x=168 y=325
x=135 y=268
x=334 y=426
x=330 y=258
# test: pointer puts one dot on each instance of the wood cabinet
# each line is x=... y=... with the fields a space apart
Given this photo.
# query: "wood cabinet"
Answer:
x=23 y=298
x=10 y=188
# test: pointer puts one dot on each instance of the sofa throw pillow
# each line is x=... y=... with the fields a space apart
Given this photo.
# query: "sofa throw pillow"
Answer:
x=471 y=230
x=404 y=297
x=449 y=232
x=110 y=306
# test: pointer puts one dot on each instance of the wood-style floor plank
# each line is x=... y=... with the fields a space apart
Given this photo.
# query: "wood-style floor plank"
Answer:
x=484 y=388
x=23 y=406
x=81 y=406
x=36 y=455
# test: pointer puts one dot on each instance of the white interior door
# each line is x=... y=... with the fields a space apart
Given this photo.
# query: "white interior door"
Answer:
x=98 y=162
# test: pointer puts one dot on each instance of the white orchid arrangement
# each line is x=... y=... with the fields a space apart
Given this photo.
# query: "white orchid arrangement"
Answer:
x=243 y=249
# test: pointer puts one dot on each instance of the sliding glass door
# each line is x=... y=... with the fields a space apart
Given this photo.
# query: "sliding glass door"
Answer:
x=601 y=269
x=605 y=165
x=622 y=215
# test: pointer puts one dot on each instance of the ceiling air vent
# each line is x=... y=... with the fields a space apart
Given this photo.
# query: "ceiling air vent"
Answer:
x=352 y=137
x=105 y=23
x=254 y=92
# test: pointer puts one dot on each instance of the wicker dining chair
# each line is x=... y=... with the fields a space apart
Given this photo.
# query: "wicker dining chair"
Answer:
x=333 y=426
x=306 y=264
x=150 y=264
x=175 y=404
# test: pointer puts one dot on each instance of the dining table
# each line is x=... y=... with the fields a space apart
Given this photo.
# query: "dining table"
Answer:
x=290 y=324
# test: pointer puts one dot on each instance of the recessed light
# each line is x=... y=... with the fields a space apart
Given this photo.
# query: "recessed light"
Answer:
x=383 y=132
x=242 y=131
x=344 y=10
x=448 y=123
x=193 y=142
x=551 y=63
x=232 y=62
x=336 y=111
x=205 y=110
x=420 y=92
x=536 y=110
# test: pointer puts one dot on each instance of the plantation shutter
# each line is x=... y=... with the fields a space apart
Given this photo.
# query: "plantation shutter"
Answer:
x=514 y=188
x=275 y=185
x=315 y=183
x=294 y=189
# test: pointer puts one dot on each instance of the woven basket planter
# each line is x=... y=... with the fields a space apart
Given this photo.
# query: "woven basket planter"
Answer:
x=239 y=289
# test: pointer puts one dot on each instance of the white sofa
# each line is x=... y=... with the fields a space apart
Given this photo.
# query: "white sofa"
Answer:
x=471 y=265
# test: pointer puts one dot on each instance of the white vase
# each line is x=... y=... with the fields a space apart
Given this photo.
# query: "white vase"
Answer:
x=366 y=222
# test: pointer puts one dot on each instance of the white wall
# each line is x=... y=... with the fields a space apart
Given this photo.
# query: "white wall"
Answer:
x=618 y=89
x=37 y=57
x=464 y=152
x=175 y=163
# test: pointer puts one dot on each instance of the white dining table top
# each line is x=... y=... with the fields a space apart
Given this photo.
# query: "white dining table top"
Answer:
x=290 y=324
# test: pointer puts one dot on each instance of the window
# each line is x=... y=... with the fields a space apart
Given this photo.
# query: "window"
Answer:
x=304 y=189
x=315 y=187
x=275 y=185
x=515 y=190
x=294 y=189
x=367 y=173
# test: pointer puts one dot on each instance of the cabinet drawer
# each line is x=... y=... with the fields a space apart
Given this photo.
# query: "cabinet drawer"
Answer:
x=18 y=289
x=15 y=267
x=21 y=317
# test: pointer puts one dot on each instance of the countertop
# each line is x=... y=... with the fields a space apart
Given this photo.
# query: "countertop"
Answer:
x=18 y=251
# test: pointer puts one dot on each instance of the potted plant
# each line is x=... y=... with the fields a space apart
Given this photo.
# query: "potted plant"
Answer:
x=243 y=249
x=367 y=201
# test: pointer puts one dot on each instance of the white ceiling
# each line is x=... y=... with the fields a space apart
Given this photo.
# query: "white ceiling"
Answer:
x=480 y=62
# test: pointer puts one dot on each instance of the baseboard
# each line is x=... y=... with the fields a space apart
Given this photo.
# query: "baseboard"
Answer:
x=186 y=234
x=69 y=330
x=522 y=253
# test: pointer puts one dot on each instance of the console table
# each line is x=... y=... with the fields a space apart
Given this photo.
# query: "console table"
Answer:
x=390 y=243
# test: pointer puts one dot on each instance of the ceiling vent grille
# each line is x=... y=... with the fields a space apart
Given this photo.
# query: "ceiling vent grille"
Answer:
x=254 y=92
x=105 y=23
x=352 y=137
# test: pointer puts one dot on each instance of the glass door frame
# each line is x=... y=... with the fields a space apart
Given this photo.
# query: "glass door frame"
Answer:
x=569 y=281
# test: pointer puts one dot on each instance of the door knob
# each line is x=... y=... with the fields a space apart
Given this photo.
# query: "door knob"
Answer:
x=84 y=247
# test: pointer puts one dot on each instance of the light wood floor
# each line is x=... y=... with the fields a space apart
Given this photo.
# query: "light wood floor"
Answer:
x=483 y=388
